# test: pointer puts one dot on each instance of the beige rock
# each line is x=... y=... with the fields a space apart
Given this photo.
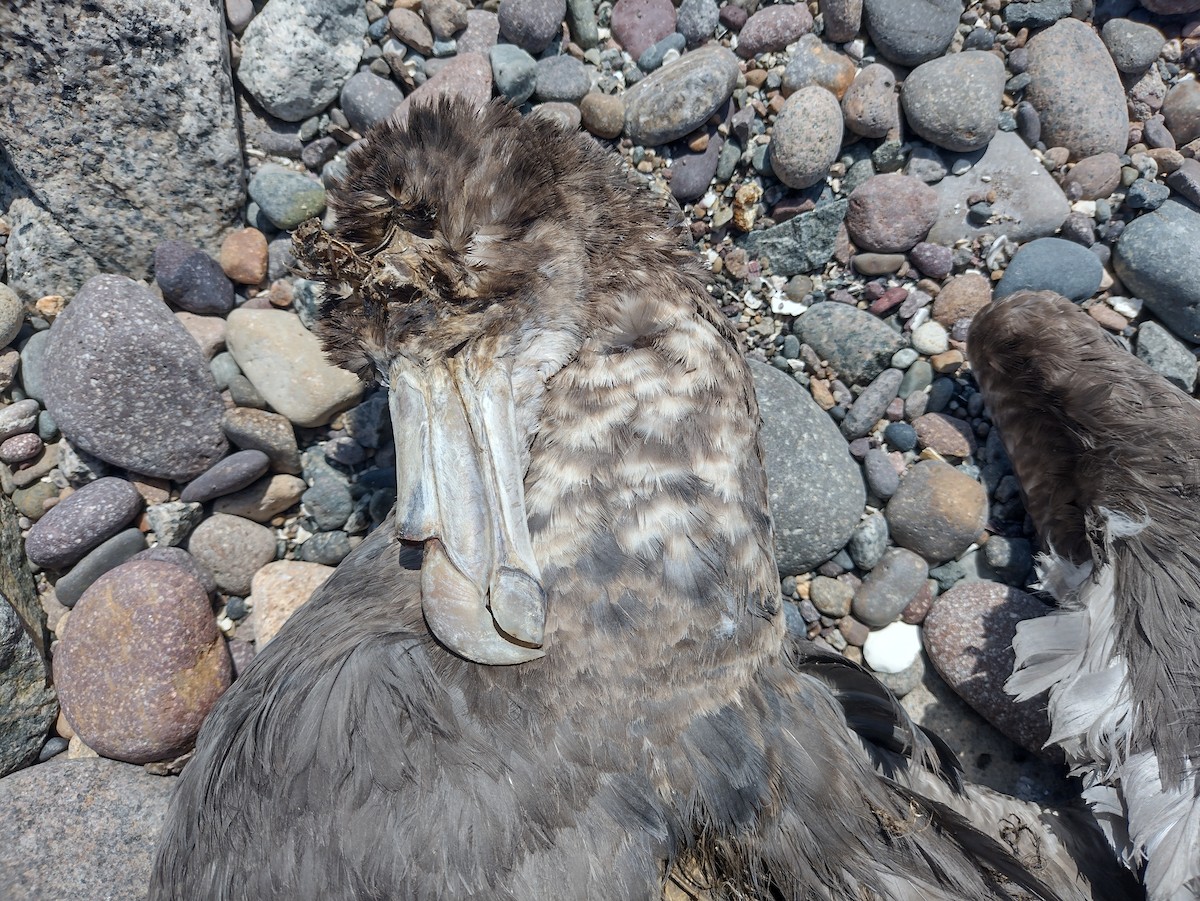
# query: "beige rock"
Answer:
x=267 y=497
x=279 y=589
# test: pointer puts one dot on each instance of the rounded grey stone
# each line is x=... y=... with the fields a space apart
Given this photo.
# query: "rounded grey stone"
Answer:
x=882 y=478
x=857 y=345
x=1155 y=258
x=514 y=71
x=531 y=24
x=1134 y=45
x=954 y=101
x=889 y=586
x=33 y=358
x=126 y=382
x=91 y=515
x=18 y=418
x=329 y=503
x=807 y=137
x=816 y=489
x=1052 y=264
x=296 y=54
x=233 y=548
x=111 y=554
x=678 y=98
x=229 y=475
x=562 y=78
x=368 y=99
x=1076 y=90
x=327 y=548
x=286 y=197
x=911 y=32
x=696 y=20
x=268 y=432
x=870 y=406
x=12 y=314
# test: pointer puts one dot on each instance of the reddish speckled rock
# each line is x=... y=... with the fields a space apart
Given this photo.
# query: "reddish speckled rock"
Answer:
x=968 y=634
x=639 y=24
x=773 y=28
x=141 y=662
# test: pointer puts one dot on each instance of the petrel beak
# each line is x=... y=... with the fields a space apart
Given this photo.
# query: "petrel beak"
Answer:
x=460 y=491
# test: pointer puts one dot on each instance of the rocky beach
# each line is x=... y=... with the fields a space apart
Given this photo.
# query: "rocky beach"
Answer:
x=181 y=467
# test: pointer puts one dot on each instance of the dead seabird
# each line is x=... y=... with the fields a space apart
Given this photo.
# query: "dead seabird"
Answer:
x=560 y=671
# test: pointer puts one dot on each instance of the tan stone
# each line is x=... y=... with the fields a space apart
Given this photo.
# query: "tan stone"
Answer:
x=961 y=298
x=243 y=256
x=279 y=589
x=264 y=499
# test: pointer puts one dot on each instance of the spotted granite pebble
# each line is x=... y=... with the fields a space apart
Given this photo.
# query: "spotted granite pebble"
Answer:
x=177 y=556
x=1166 y=355
x=871 y=405
x=279 y=589
x=1076 y=90
x=773 y=28
x=832 y=597
x=532 y=24
x=937 y=511
x=231 y=474
x=285 y=196
x=12 y=314
x=857 y=345
x=843 y=18
x=297 y=53
x=868 y=542
x=1155 y=258
x=870 y=106
x=65 y=819
x=678 y=98
x=1134 y=45
x=286 y=364
x=816 y=490
x=890 y=213
x=367 y=100
x=807 y=137
x=961 y=298
x=191 y=279
x=172 y=521
x=124 y=381
x=265 y=431
x=141 y=662
x=233 y=548
x=696 y=20
x=968 y=634
x=94 y=513
x=889 y=586
x=947 y=435
x=954 y=101
x=909 y=32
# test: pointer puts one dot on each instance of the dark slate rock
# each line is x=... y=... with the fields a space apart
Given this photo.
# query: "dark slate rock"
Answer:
x=64 y=822
x=857 y=345
x=329 y=503
x=1052 y=264
x=1035 y=13
x=581 y=20
x=26 y=696
x=91 y=515
x=882 y=478
x=109 y=555
x=514 y=71
x=678 y=98
x=1145 y=194
x=657 y=52
x=910 y=32
x=327 y=548
x=1010 y=558
x=16 y=582
x=870 y=406
x=368 y=99
x=693 y=172
x=531 y=24
x=889 y=586
x=1155 y=258
x=123 y=128
x=1134 y=45
x=804 y=243
x=816 y=490
x=229 y=475
x=1166 y=355
x=191 y=279
x=141 y=662
x=900 y=436
x=968 y=635
x=126 y=382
